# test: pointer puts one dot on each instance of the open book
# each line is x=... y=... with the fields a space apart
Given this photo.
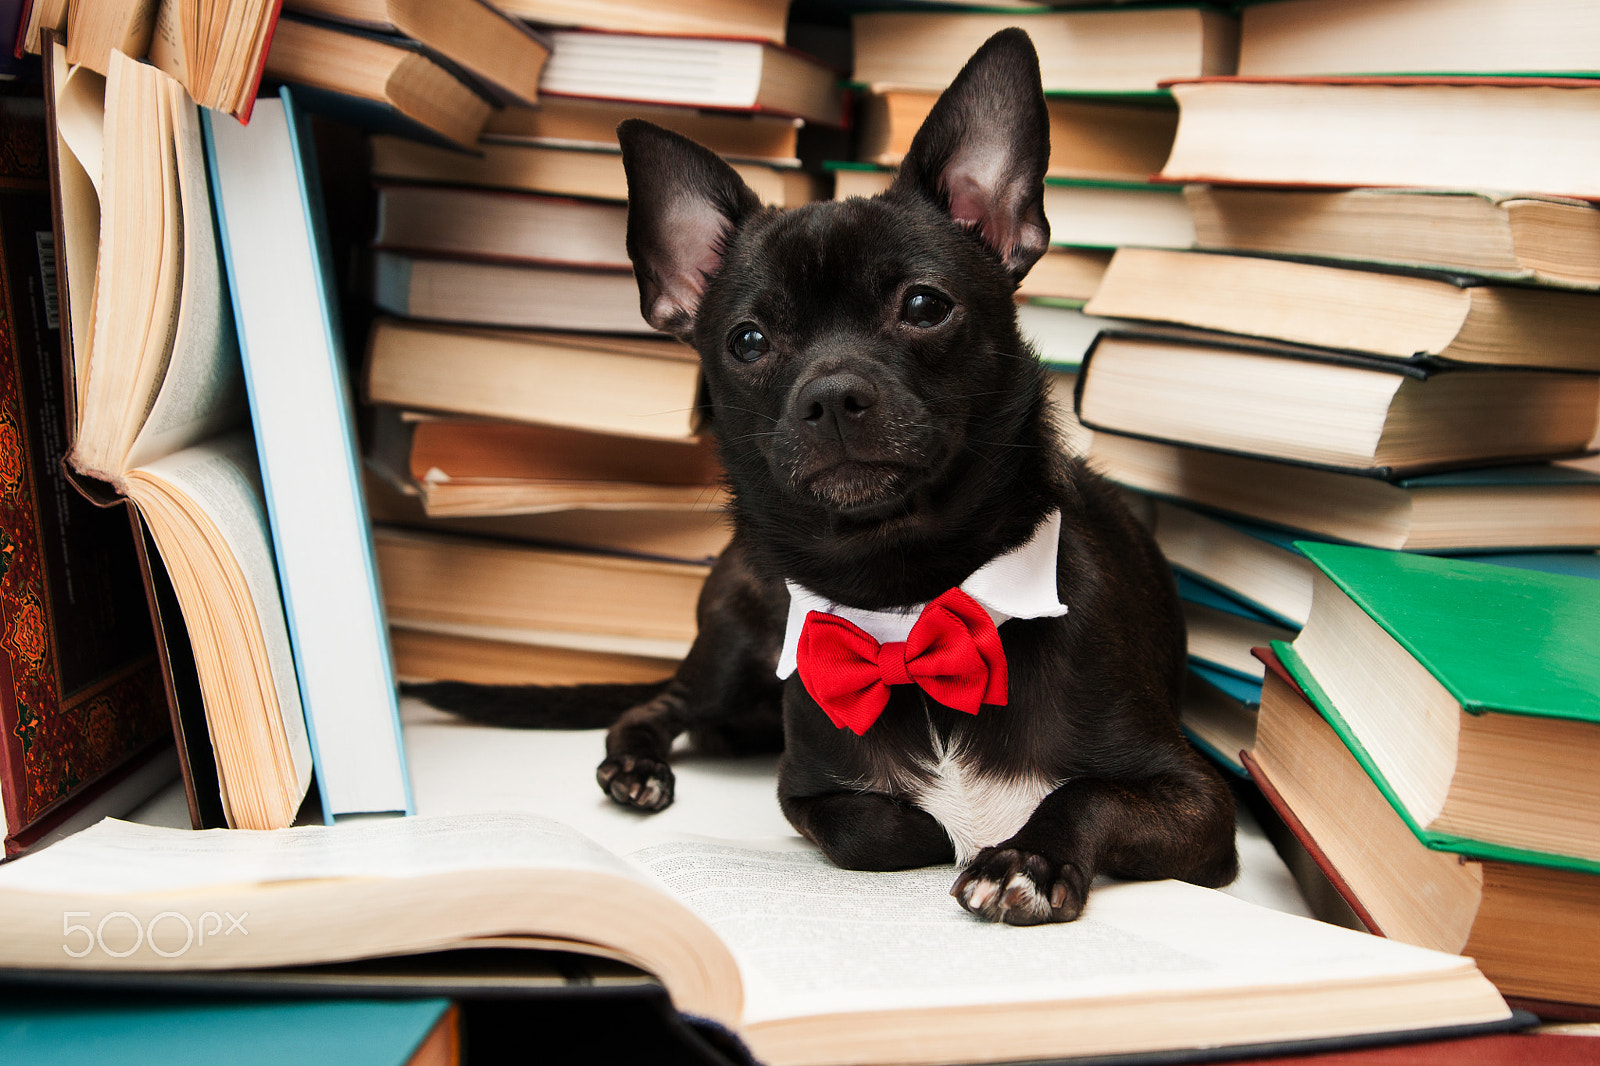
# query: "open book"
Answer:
x=158 y=409
x=807 y=962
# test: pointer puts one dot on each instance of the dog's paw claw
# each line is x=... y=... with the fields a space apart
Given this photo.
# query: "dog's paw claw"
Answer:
x=642 y=784
x=1020 y=888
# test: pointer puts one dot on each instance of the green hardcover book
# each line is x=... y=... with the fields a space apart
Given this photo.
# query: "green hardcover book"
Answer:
x=1470 y=692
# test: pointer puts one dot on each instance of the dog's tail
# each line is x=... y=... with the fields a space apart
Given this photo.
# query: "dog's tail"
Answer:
x=592 y=706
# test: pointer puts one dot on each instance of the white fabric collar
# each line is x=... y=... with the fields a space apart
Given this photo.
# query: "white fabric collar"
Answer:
x=1019 y=584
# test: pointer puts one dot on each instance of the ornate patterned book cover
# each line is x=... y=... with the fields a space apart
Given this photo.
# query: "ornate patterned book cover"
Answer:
x=81 y=694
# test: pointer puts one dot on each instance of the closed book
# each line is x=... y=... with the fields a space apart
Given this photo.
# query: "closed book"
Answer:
x=275 y=244
x=1374 y=37
x=1351 y=413
x=1223 y=629
x=1534 y=930
x=570 y=122
x=1130 y=50
x=588 y=600
x=1527 y=134
x=1511 y=236
x=1399 y=315
x=559 y=170
x=1468 y=691
x=1218 y=714
x=711 y=72
x=1262 y=566
x=424 y=655
x=762 y=20
x=1539 y=505
x=639 y=387
x=501 y=225
x=84 y=727
x=504 y=54
x=496 y=294
x=1113 y=140
x=378 y=80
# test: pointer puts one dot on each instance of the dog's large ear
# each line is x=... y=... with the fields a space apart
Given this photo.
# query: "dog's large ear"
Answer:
x=683 y=201
x=982 y=151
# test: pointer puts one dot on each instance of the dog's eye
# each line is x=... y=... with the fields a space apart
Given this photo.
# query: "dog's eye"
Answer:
x=749 y=344
x=924 y=309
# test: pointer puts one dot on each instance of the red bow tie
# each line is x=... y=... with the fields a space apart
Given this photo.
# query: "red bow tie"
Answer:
x=953 y=653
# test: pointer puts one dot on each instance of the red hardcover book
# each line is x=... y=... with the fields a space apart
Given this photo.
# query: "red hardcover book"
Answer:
x=82 y=703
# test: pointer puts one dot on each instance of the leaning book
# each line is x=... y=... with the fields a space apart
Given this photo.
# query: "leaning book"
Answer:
x=809 y=964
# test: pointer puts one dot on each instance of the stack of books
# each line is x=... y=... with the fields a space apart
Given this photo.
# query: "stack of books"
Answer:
x=548 y=507
x=1430 y=737
x=1401 y=367
x=1111 y=130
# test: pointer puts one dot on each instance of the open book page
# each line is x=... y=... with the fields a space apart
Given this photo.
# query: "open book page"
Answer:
x=80 y=104
x=202 y=391
x=138 y=271
x=813 y=939
x=458 y=767
x=122 y=858
x=221 y=479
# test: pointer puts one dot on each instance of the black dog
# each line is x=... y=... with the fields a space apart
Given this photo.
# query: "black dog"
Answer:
x=888 y=443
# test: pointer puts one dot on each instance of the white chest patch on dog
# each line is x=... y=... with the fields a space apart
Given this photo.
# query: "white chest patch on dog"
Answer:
x=976 y=809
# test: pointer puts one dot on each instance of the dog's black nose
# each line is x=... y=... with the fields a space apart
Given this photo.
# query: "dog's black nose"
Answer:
x=834 y=405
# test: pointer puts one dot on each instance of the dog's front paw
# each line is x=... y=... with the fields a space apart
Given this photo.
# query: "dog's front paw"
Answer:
x=636 y=782
x=1020 y=887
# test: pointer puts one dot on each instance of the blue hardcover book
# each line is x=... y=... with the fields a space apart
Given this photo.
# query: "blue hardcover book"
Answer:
x=124 y=1030
x=270 y=218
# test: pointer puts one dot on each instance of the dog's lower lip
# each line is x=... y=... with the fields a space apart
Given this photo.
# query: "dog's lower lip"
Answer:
x=856 y=484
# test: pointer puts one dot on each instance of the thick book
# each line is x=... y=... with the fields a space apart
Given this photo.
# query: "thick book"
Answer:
x=1218 y=714
x=1112 y=140
x=216 y=50
x=1468 y=691
x=1533 y=506
x=762 y=20
x=379 y=80
x=1129 y=50
x=1262 y=566
x=1223 y=629
x=588 y=600
x=497 y=224
x=1533 y=930
x=505 y=54
x=717 y=73
x=157 y=419
x=426 y=655
x=639 y=387
x=1410 y=316
x=187 y=1030
x=1066 y=274
x=461 y=466
x=506 y=295
x=1428 y=132
x=767 y=940
x=84 y=725
x=1346 y=412
x=1505 y=236
x=592 y=172
x=569 y=122
x=270 y=216
x=1376 y=37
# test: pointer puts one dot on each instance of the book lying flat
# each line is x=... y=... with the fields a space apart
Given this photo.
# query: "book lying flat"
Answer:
x=640 y=387
x=1497 y=508
x=1401 y=315
x=1533 y=930
x=1470 y=692
x=1111 y=140
x=1545 y=239
x=1372 y=36
x=1346 y=412
x=473 y=586
x=568 y=122
x=430 y=655
x=1111 y=51
x=808 y=963
x=1528 y=134
x=503 y=225
x=1222 y=630
x=507 y=295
